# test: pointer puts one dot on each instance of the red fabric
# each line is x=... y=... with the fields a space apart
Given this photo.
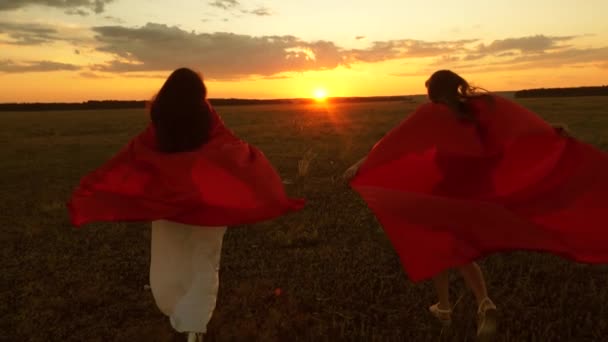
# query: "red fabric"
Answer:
x=225 y=182
x=448 y=193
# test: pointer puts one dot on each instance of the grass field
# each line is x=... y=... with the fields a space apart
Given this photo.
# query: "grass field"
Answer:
x=339 y=276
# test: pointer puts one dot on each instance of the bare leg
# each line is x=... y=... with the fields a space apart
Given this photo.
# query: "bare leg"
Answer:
x=442 y=286
x=443 y=309
x=474 y=279
x=486 y=311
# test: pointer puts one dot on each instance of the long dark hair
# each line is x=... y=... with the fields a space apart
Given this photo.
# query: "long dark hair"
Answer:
x=180 y=113
x=447 y=87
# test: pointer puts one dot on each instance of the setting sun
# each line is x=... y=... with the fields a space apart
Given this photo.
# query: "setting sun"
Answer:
x=320 y=94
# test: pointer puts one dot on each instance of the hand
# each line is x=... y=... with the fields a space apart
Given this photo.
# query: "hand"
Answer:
x=562 y=130
x=351 y=172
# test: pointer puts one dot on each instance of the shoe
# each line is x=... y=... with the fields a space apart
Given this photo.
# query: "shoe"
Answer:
x=487 y=320
x=443 y=315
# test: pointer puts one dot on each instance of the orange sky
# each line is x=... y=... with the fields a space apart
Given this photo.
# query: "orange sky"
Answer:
x=277 y=49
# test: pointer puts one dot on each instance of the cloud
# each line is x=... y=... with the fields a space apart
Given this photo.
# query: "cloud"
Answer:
x=79 y=12
x=156 y=47
x=531 y=44
x=97 y=6
x=234 y=5
x=28 y=33
x=221 y=55
x=405 y=48
x=278 y=77
x=507 y=54
x=560 y=58
x=260 y=11
x=156 y=76
x=473 y=57
x=114 y=19
x=8 y=66
x=92 y=75
x=225 y=4
x=570 y=57
x=359 y=37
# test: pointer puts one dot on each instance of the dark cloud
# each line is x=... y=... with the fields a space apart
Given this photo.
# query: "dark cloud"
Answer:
x=560 y=58
x=96 y=6
x=92 y=75
x=25 y=33
x=28 y=33
x=79 y=12
x=224 y=4
x=261 y=12
x=156 y=47
x=531 y=44
x=473 y=57
x=114 y=19
x=234 y=5
x=507 y=54
x=406 y=48
x=553 y=59
x=8 y=66
x=156 y=76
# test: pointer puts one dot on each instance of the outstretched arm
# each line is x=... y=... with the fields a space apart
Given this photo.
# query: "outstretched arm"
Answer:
x=561 y=129
x=352 y=171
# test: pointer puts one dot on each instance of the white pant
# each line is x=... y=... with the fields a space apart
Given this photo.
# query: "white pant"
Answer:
x=184 y=272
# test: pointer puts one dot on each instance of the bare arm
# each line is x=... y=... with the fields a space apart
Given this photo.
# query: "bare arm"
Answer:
x=561 y=129
x=352 y=171
x=360 y=162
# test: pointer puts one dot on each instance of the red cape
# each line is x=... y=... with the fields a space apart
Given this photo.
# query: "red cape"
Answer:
x=225 y=182
x=448 y=193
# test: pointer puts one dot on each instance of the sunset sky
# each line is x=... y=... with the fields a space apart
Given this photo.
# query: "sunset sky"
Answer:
x=76 y=50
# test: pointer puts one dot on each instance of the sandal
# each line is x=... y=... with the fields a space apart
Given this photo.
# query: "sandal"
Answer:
x=487 y=320
x=443 y=315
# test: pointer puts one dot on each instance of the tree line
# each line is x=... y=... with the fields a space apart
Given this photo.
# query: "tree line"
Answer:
x=116 y=104
x=563 y=92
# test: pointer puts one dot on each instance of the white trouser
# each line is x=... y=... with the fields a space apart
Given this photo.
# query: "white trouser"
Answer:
x=184 y=272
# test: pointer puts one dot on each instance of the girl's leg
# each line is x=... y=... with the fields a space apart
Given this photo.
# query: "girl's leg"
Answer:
x=486 y=312
x=443 y=309
x=442 y=287
x=474 y=279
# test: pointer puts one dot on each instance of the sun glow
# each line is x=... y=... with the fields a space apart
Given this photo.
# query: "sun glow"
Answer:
x=320 y=94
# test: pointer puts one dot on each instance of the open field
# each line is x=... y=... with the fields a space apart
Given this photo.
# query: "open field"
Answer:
x=339 y=276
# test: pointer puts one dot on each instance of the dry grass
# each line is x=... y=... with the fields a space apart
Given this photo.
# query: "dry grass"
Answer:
x=338 y=275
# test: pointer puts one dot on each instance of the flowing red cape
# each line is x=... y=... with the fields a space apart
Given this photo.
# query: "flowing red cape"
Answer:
x=224 y=182
x=448 y=193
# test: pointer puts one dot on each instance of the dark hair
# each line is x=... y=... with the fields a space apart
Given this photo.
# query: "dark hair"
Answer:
x=180 y=113
x=447 y=87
